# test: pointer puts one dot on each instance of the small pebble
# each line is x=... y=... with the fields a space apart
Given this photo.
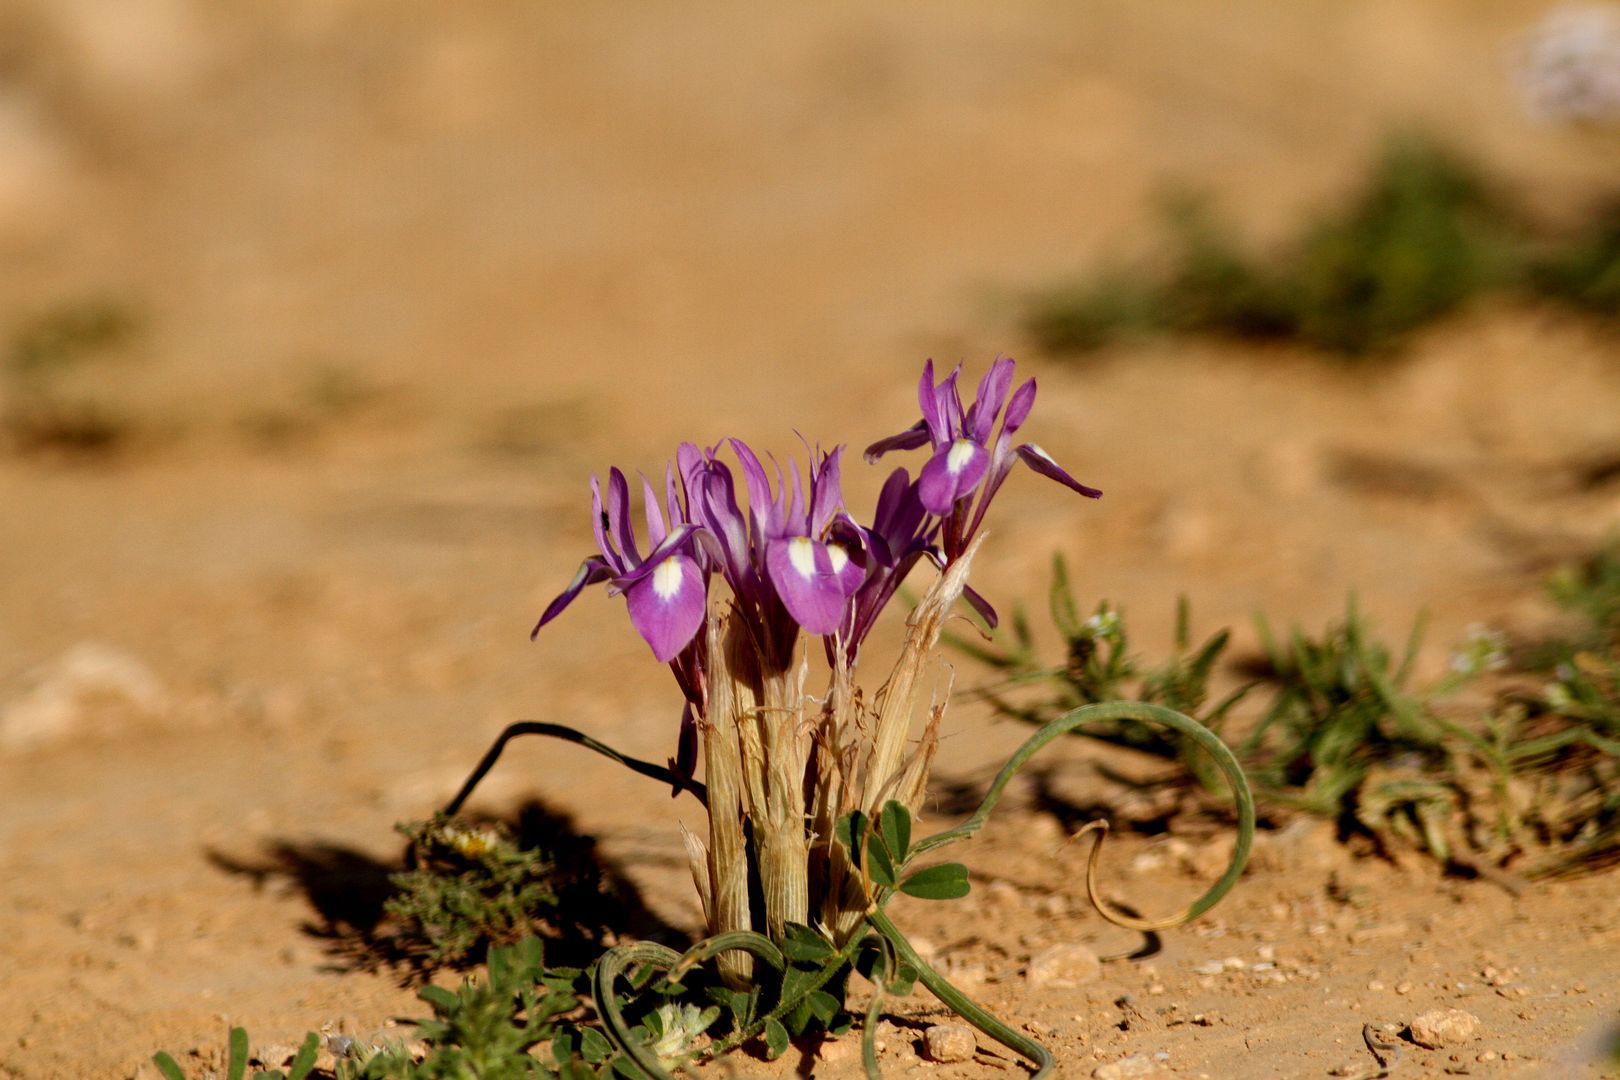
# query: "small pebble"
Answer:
x=1444 y=1027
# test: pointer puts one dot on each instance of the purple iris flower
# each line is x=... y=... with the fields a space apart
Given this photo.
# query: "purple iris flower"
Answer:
x=966 y=458
x=797 y=548
x=667 y=591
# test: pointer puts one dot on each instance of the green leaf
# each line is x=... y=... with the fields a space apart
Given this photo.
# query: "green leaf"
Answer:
x=850 y=830
x=895 y=824
x=442 y=1000
x=804 y=944
x=823 y=1005
x=272 y=1074
x=905 y=977
x=879 y=867
x=575 y=1070
x=594 y=1046
x=947 y=881
x=776 y=1040
x=236 y=1069
x=304 y=1061
x=167 y=1067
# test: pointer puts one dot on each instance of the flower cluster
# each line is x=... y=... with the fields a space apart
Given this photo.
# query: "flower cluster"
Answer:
x=796 y=560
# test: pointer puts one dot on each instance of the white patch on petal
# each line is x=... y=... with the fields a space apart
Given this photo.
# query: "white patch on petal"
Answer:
x=960 y=454
x=1038 y=452
x=802 y=554
x=666 y=579
x=839 y=557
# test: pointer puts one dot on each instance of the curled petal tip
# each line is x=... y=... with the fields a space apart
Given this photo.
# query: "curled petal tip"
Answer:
x=1042 y=462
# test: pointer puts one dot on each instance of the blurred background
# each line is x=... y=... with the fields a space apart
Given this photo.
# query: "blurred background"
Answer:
x=316 y=316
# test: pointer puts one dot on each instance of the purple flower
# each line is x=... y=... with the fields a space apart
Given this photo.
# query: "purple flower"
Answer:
x=970 y=455
x=666 y=592
x=797 y=548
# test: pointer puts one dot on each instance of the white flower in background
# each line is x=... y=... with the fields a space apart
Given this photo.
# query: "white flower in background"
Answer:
x=1568 y=66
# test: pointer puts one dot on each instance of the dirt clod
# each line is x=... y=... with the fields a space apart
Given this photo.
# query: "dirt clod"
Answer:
x=949 y=1042
x=1063 y=966
x=1444 y=1027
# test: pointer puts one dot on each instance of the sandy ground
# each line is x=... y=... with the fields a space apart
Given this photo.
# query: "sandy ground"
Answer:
x=405 y=276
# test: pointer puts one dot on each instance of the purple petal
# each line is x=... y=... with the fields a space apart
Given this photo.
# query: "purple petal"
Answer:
x=674 y=542
x=914 y=436
x=599 y=526
x=950 y=405
x=1023 y=400
x=981 y=605
x=988 y=399
x=1042 y=462
x=899 y=514
x=951 y=474
x=928 y=398
x=618 y=511
x=656 y=529
x=826 y=492
x=760 y=505
x=668 y=605
x=591 y=571
x=814 y=581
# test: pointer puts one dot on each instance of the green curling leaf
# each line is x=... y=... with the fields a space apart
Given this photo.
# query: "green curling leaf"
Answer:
x=776 y=1040
x=947 y=881
x=894 y=824
x=879 y=867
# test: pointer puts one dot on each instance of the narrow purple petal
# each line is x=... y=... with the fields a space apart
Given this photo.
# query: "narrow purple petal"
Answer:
x=813 y=580
x=949 y=406
x=668 y=605
x=982 y=606
x=599 y=526
x=988 y=399
x=760 y=505
x=1023 y=400
x=914 y=436
x=618 y=511
x=951 y=474
x=656 y=530
x=674 y=502
x=928 y=398
x=591 y=571
x=826 y=492
x=1042 y=462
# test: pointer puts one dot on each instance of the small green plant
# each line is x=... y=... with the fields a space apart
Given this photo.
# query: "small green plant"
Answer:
x=237 y=1060
x=469 y=886
x=1424 y=233
x=1341 y=732
x=41 y=412
x=1584 y=271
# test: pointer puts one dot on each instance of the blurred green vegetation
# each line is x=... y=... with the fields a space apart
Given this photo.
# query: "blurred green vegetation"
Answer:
x=1423 y=234
x=43 y=409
